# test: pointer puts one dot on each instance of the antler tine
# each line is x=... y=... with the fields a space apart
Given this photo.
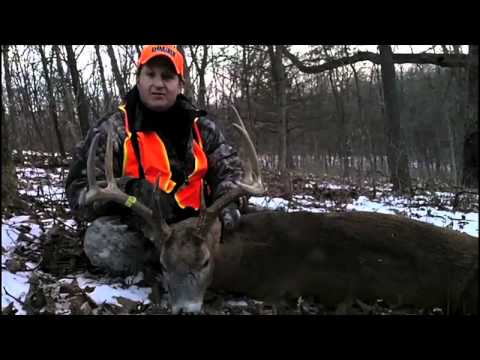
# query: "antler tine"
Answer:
x=111 y=192
x=112 y=184
x=254 y=185
x=92 y=180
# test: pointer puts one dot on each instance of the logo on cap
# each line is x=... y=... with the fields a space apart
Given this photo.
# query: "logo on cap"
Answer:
x=169 y=51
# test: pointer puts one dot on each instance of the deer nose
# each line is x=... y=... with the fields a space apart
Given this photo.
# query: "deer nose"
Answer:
x=188 y=308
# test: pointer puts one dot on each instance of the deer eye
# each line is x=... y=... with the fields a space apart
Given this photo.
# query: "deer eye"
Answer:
x=205 y=263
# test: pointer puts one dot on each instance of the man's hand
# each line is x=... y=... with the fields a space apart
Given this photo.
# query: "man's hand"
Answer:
x=230 y=216
x=124 y=184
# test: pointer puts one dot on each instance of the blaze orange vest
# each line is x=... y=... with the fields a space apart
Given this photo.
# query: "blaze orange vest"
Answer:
x=155 y=163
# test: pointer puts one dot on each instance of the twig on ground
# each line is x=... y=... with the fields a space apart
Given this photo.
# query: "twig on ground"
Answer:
x=24 y=304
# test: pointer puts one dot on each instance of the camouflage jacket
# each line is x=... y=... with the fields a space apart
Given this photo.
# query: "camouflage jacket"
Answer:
x=224 y=166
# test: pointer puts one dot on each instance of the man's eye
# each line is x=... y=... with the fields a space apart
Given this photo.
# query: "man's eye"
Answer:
x=169 y=76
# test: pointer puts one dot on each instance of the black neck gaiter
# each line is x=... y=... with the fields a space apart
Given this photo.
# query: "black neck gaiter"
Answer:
x=174 y=126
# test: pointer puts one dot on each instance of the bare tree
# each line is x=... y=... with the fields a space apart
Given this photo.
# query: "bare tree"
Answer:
x=200 y=67
x=116 y=72
x=386 y=59
x=9 y=178
x=470 y=146
x=396 y=151
x=106 y=95
x=67 y=100
x=82 y=106
x=188 y=86
x=29 y=103
x=139 y=50
x=279 y=86
x=11 y=101
x=52 y=107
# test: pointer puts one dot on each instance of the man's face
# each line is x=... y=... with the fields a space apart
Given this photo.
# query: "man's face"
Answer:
x=158 y=84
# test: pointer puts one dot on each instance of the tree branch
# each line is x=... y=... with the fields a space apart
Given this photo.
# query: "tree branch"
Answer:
x=444 y=60
x=25 y=305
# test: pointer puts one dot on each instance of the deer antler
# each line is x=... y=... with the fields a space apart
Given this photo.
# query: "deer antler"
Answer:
x=111 y=192
x=250 y=184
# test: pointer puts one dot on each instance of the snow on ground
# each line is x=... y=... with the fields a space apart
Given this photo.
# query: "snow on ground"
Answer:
x=108 y=290
x=105 y=292
x=17 y=285
x=463 y=222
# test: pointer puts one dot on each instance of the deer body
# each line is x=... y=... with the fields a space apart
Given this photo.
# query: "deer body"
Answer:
x=341 y=256
x=335 y=257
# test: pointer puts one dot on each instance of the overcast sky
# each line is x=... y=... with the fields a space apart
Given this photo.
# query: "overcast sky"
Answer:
x=88 y=54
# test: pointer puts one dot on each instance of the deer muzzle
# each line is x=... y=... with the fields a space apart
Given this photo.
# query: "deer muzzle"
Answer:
x=187 y=308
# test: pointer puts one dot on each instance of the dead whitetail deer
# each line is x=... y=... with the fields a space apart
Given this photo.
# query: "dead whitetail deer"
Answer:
x=187 y=248
x=335 y=257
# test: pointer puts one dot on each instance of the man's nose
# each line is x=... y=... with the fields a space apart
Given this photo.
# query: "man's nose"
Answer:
x=158 y=82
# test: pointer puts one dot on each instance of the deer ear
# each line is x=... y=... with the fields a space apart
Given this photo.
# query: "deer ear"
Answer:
x=216 y=231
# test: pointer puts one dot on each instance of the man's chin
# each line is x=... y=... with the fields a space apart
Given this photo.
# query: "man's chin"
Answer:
x=158 y=106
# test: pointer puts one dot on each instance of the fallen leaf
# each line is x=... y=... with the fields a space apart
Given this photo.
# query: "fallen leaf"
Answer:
x=15 y=264
x=85 y=309
x=127 y=304
x=71 y=289
x=9 y=309
x=76 y=303
x=89 y=289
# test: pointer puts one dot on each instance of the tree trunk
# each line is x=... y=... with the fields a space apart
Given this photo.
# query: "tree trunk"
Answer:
x=470 y=146
x=139 y=50
x=67 y=98
x=396 y=152
x=472 y=95
x=341 y=131
x=200 y=68
x=9 y=177
x=187 y=87
x=52 y=107
x=28 y=97
x=452 y=141
x=116 y=72
x=12 y=111
x=106 y=95
x=361 y=119
x=245 y=88
x=279 y=84
x=82 y=106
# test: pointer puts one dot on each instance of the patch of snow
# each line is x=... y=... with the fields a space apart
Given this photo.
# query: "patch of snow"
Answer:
x=17 y=285
x=107 y=293
x=271 y=203
x=9 y=237
x=17 y=219
x=464 y=222
x=240 y=303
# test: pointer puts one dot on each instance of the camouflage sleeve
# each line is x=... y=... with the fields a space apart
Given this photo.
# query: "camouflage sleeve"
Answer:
x=224 y=164
x=76 y=182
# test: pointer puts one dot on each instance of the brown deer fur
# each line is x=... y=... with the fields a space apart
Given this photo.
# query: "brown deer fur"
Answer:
x=341 y=256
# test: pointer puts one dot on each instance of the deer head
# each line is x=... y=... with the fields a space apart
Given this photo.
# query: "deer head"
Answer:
x=186 y=248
